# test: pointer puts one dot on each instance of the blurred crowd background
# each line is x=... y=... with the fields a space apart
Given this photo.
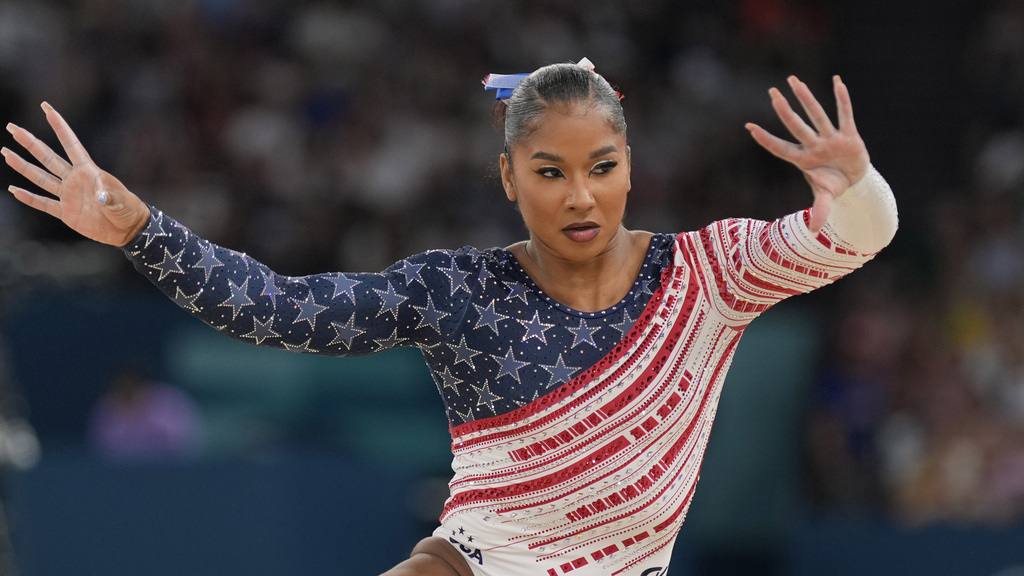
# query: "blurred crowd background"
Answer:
x=344 y=135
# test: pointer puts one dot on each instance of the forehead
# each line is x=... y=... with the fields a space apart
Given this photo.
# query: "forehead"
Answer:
x=563 y=130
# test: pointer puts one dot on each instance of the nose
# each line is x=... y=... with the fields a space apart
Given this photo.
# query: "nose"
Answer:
x=579 y=197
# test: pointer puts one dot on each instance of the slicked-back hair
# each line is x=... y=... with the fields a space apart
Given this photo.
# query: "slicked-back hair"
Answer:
x=555 y=85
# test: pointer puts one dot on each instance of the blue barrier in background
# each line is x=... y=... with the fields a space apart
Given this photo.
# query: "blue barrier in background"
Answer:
x=876 y=548
x=293 y=513
x=368 y=430
x=318 y=515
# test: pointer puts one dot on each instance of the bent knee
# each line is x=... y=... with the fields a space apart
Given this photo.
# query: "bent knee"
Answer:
x=423 y=564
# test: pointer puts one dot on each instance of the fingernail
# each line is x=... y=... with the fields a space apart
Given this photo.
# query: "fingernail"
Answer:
x=11 y=127
x=46 y=106
x=102 y=197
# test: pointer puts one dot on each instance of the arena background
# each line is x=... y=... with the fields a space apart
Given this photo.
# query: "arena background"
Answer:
x=874 y=427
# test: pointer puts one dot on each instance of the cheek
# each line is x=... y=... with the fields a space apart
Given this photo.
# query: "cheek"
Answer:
x=614 y=194
x=541 y=206
x=534 y=206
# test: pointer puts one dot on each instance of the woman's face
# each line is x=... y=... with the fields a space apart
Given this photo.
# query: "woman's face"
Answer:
x=570 y=178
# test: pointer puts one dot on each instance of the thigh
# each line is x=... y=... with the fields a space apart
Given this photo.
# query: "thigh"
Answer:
x=422 y=565
x=432 y=557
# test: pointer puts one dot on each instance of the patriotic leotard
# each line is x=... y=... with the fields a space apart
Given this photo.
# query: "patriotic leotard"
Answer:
x=577 y=436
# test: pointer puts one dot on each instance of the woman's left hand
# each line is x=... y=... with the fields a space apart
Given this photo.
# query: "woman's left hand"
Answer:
x=831 y=159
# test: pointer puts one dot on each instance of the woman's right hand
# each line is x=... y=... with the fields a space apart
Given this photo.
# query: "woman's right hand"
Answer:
x=87 y=199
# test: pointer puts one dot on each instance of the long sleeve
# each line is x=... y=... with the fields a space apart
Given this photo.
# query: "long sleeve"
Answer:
x=749 y=265
x=416 y=302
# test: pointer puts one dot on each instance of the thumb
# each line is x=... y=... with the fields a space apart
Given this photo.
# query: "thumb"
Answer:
x=120 y=207
x=105 y=197
x=819 y=212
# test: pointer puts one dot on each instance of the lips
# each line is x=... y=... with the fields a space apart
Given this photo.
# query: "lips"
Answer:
x=582 y=231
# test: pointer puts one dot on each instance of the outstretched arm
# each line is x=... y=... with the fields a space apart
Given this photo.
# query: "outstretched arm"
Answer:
x=755 y=263
x=416 y=302
x=87 y=199
x=832 y=159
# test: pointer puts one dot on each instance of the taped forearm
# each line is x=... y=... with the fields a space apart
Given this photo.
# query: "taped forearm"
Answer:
x=865 y=215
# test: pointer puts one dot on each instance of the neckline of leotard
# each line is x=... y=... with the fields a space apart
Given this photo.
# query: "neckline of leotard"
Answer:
x=644 y=275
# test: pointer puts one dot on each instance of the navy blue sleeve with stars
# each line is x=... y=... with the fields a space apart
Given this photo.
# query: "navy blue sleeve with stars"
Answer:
x=416 y=302
x=491 y=338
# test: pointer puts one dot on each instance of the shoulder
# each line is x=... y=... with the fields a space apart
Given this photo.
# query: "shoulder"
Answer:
x=660 y=246
x=464 y=259
x=463 y=270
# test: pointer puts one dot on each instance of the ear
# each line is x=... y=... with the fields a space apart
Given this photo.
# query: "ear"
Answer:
x=506 y=177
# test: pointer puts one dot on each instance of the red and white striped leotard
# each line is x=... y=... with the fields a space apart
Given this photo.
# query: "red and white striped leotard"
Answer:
x=596 y=477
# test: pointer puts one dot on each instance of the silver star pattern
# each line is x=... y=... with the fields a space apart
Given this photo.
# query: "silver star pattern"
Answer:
x=308 y=310
x=486 y=397
x=301 y=348
x=208 y=261
x=488 y=317
x=484 y=276
x=270 y=288
x=560 y=372
x=343 y=285
x=390 y=301
x=463 y=353
x=345 y=333
x=583 y=333
x=169 y=265
x=518 y=291
x=484 y=364
x=535 y=328
x=430 y=316
x=645 y=289
x=154 y=230
x=261 y=330
x=448 y=380
x=456 y=277
x=390 y=342
x=412 y=273
x=466 y=416
x=238 y=298
x=509 y=365
x=186 y=302
x=624 y=326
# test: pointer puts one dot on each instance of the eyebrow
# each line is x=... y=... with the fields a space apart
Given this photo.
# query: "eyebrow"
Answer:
x=602 y=151
x=541 y=155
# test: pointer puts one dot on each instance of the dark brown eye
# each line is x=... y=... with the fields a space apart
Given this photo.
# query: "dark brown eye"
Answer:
x=550 y=172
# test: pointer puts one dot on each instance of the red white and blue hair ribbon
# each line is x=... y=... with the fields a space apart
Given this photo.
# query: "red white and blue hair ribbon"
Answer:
x=505 y=84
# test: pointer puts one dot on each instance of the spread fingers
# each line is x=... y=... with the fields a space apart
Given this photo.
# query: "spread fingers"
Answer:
x=40 y=151
x=35 y=174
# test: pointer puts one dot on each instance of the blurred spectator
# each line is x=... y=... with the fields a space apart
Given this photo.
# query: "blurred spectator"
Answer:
x=853 y=393
x=322 y=135
x=140 y=419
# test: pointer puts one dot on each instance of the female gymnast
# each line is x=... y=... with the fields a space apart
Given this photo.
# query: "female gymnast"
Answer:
x=580 y=368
